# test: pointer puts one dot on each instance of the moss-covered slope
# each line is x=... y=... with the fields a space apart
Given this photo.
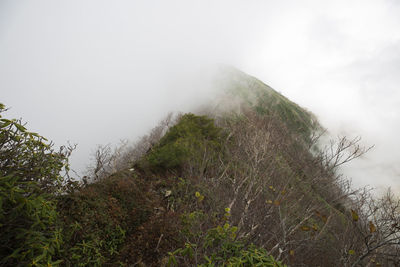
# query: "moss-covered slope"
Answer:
x=240 y=90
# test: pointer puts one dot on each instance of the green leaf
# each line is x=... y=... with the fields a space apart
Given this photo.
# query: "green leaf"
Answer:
x=354 y=215
x=207 y=259
x=171 y=260
x=5 y=123
x=20 y=127
x=35 y=134
x=39 y=258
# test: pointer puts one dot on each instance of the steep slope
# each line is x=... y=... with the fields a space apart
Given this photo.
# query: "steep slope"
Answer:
x=244 y=177
x=235 y=185
x=240 y=90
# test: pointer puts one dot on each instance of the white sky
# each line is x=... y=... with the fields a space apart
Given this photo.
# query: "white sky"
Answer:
x=94 y=72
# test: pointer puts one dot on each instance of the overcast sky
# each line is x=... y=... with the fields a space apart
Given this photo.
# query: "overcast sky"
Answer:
x=94 y=72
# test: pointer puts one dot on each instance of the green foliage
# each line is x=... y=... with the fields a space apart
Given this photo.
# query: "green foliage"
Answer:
x=185 y=142
x=98 y=218
x=29 y=172
x=94 y=251
x=253 y=256
x=265 y=101
x=220 y=248
x=187 y=195
x=279 y=194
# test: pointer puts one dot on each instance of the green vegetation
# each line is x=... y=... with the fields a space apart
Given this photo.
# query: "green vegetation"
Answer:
x=224 y=250
x=97 y=220
x=266 y=101
x=246 y=188
x=29 y=178
x=185 y=142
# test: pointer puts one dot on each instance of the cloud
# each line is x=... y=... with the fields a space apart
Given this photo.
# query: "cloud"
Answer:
x=94 y=72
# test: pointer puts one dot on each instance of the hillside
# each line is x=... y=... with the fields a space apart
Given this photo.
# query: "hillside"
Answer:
x=242 y=90
x=243 y=182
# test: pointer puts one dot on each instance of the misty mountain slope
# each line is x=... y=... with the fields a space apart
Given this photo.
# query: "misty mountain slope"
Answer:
x=249 y=169
x=236 y=184
x=246 y=91
x=242 y=90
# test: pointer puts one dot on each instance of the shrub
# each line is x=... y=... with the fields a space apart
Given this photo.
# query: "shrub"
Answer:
x=29 y=177
x=98 y=217
x=220 y=248
x=185 y=142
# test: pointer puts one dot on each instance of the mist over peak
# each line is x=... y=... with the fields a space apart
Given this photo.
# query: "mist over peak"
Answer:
x=204 y=133
x=95 y=72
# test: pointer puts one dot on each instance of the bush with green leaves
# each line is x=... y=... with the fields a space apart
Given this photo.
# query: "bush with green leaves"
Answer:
x=220 y=247
x=97 y=218
x=29 y=179
x=185 y=142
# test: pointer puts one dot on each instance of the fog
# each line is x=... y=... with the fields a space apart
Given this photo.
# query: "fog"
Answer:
x=95 y=72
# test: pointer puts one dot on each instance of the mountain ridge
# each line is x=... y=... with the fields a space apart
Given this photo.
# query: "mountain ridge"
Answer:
x=237 y=184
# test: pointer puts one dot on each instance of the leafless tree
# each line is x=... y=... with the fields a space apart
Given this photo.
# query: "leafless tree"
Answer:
x=108 y=160
x=282 y=195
